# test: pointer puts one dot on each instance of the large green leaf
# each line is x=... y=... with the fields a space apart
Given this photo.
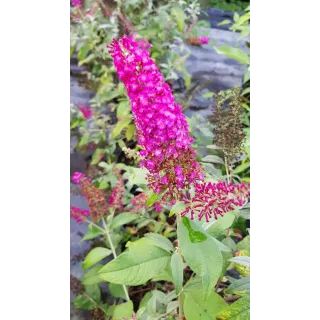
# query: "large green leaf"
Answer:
x=220 y=225
x=177 y=208
x=160 y=241
x=123 y=311
x=177 y=267
x=138 y=264
x=201 y=253
x=117 y=290
x=123 y=218
x=234 y=53
x=239 y=286
x=196 y=308
x=92 y=277
x=94 y=256
x=239 y=310
x=213 y=159
x=244 y=244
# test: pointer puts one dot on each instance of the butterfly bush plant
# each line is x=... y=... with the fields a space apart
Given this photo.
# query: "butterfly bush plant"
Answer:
x=178 y=246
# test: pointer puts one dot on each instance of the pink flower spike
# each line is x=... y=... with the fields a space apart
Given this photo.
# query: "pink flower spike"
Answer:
x=78 y=214
x=77 y=176
x=204 y=40
x=76 y=3
x=162 y=129
x=86 y=111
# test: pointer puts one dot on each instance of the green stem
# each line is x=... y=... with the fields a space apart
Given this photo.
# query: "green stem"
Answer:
x=114 y=253
x=227 y=169
x=180 y=307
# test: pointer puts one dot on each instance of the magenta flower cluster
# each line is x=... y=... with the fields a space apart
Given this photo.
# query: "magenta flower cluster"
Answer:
x=162 y=129
x=86 y=111
x=78 y=214
x=216 y=199
x=77 y=176
x=76 y=3
x=204 y=40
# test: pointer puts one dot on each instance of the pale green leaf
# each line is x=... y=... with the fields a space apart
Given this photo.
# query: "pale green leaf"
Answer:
x=97 y=156
x=152 y=199
x=243 y=260
x=123 y=311
x=213 y=159
x=178 y=13
x=120 y=125
x=201 y=253
x=160 y=241
x=177 y=267
x=234 y=53
x=92 y=276
x=117 y=290
x=196 y=308
x=241 y=285
x=219 y=226
x=123 y=218
x=138 y=264
x=94 y=256
x=92 y=233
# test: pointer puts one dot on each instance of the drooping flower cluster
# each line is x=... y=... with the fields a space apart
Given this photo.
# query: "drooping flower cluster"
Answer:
x=162 y=129
x=216 y=199
x=78 y=214
x=76 y=3
x=96 y=200
x=86 y=111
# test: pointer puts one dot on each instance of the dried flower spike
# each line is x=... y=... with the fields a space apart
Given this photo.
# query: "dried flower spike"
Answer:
x=162 y=129
x=96 y=200
x=78 y=214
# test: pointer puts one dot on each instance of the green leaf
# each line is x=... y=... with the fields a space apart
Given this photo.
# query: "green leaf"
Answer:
x=109 y=95
x=117 y=291
x=177 y=208
x=164 y=275
x=239 y=310
x=245 y=91
x=213 y=159
x=84 y=140
x=234 y=53
x=219 y=226
x=83 y=51
x=242 y=167
x=210 y=169
x=201 y=253
x=138 y=264
x=241 y=285
x=123 y=311
x=177 y=267
x=222 y=247
x=244 y=244
x=94 y=256
x=120 y=125
x=224 y=22
x=123 y=108
x=226 y=263
x=130 y=131
x=92 y=233
x=123 y=218
x=196 y=308
x=84 y=303
x=229 y=243
x=246 y=76
x=243 y=260
x=92 y=277
x=160 y=241
x=178 y=13
x=152 y=199
x=208 y=94
x=97 y=156
x=93 y=291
